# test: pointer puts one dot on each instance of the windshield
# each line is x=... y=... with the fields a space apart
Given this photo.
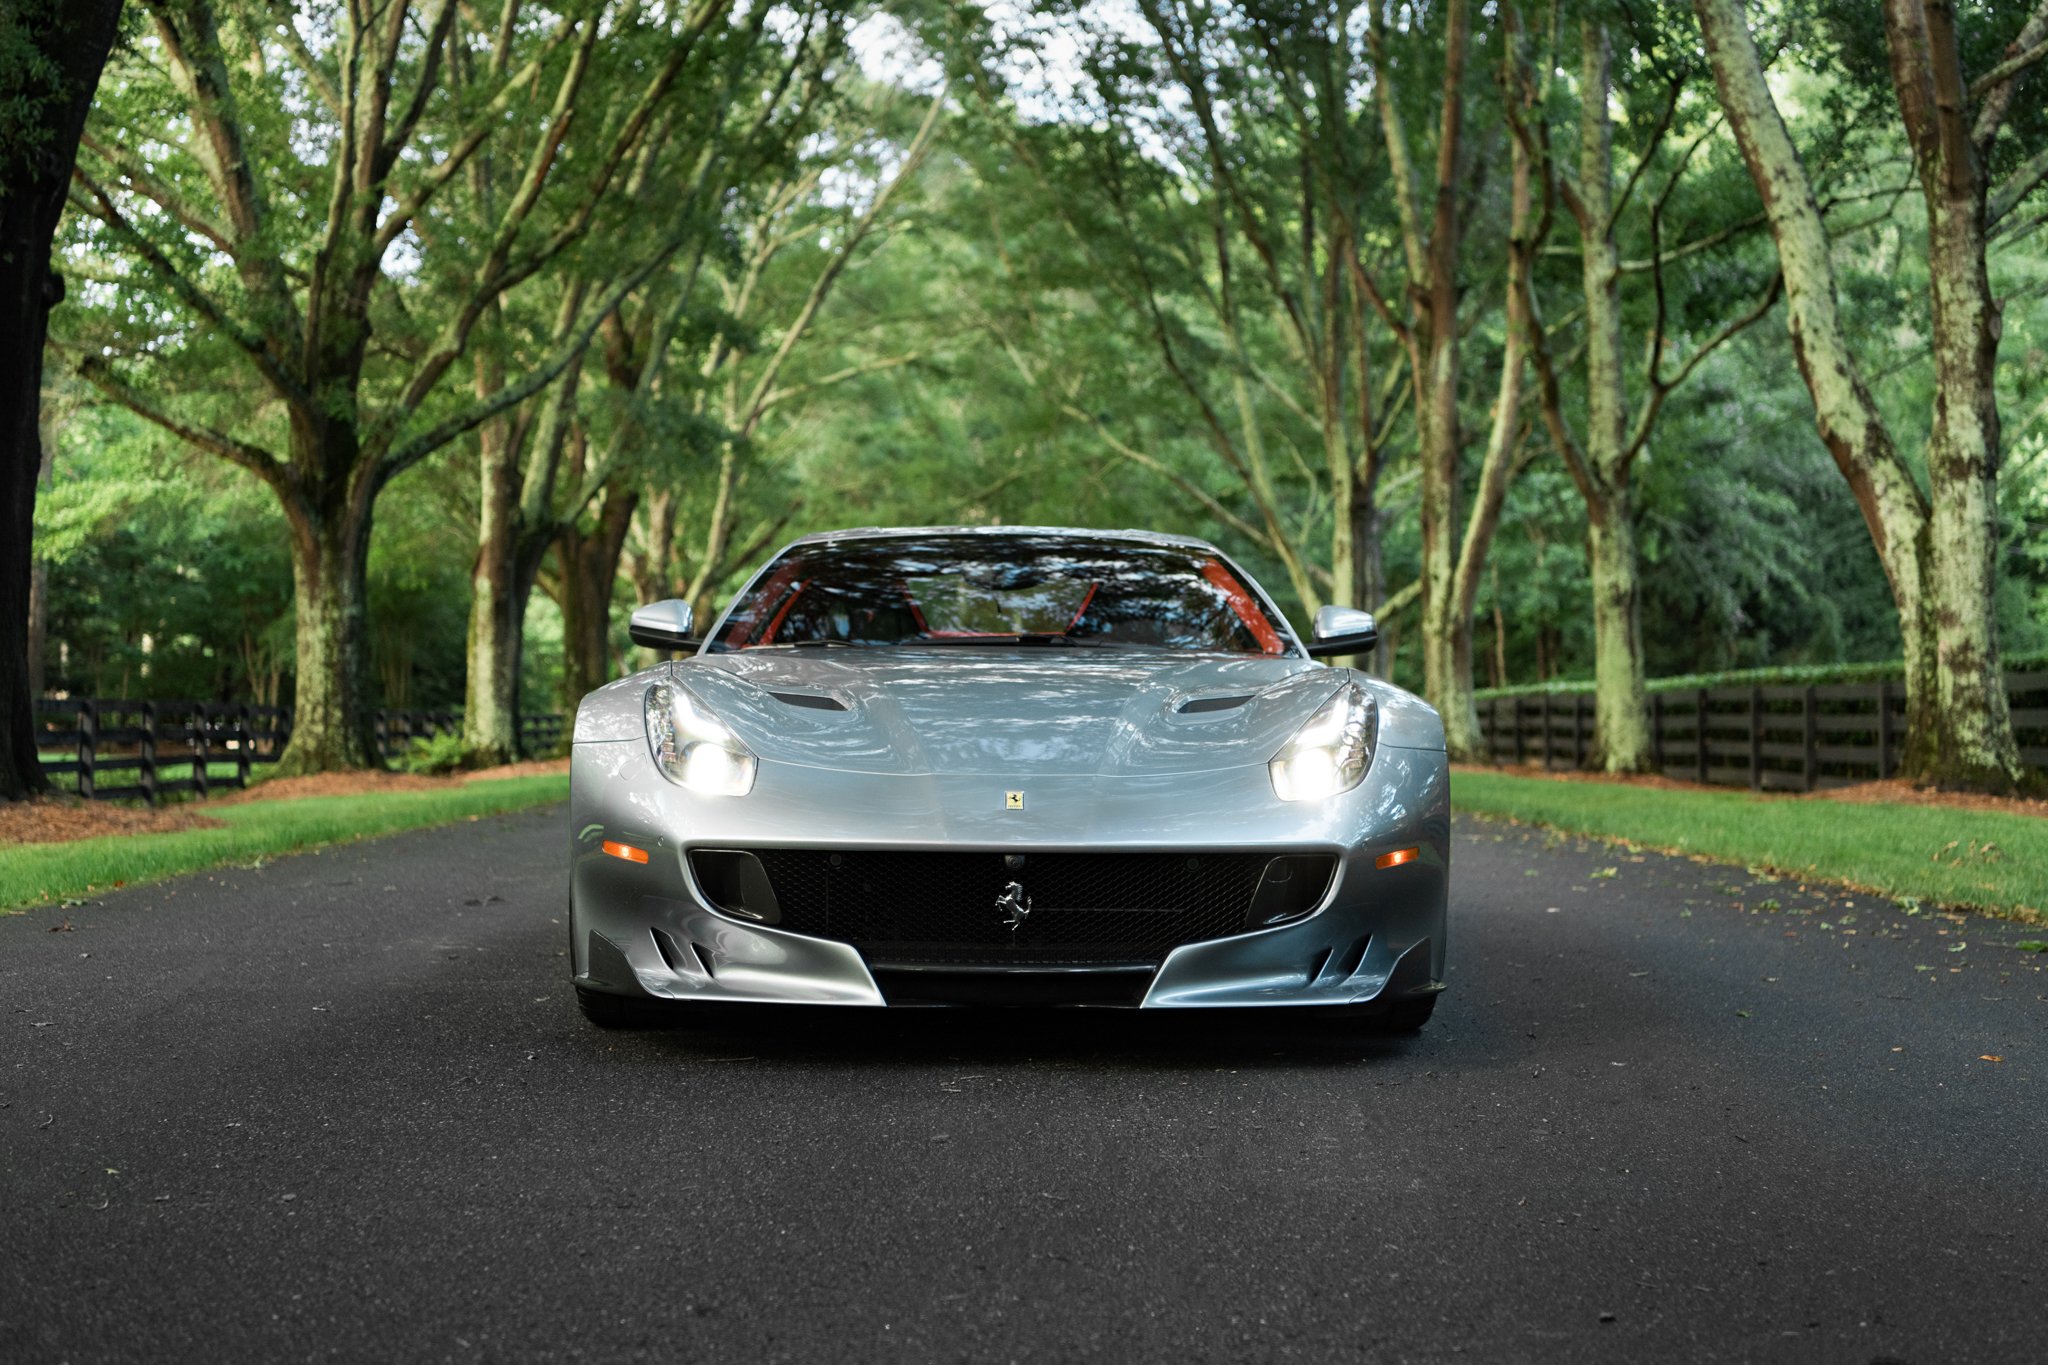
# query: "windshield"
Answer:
x=1001 y=590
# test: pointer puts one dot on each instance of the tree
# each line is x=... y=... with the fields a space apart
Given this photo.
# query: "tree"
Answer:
x=1937 y=546
x=51 y=54
x=310 y=278
x=1429 y=328
x=680 y=175
x=1617 y=429
x=1222 y=228
x=814 y=238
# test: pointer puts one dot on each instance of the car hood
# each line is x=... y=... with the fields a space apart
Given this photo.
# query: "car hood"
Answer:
x=1024 y=711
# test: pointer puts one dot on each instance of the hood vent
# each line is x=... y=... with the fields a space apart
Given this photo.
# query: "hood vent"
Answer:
x=809 y=699
x=1197 y=705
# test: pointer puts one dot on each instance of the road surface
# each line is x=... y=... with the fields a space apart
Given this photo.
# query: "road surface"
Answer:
x=342 y=1107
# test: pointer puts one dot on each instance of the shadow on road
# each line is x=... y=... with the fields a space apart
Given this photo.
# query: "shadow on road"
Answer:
x=1176 y=1040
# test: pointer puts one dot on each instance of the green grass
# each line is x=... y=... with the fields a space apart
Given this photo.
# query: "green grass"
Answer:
x=38 y=874
x=1933 y=854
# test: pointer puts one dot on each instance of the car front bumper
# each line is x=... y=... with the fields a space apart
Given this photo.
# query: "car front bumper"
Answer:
x=646 y=929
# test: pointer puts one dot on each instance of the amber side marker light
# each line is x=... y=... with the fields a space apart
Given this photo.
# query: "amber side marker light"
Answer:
x=626 y=851
x=1394 y=859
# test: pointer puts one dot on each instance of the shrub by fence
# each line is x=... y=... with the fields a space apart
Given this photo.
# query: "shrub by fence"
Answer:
x=1779 y=738
x=155 y=748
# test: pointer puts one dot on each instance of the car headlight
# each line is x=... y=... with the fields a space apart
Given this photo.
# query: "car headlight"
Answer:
x=1330 y=753
x=693 y=748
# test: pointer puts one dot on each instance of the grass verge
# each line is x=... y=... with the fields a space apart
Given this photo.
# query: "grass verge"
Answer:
x=38 y=874
x=1981 y=860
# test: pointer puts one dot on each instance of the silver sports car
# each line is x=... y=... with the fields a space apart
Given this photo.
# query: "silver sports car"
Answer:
x=954 y=766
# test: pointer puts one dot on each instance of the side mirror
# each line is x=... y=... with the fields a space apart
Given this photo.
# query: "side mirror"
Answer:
x=1343 y=630
x=663 y=625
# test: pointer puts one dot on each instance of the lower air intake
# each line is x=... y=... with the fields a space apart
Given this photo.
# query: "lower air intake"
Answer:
x=908 y=907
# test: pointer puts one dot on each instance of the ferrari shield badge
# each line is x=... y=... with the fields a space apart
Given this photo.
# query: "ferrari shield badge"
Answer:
x=1013 y=800
x=1014 y=906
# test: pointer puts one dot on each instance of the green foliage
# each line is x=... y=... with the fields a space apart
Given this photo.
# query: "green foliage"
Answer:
x=166 y=578
x=31 y=85
x=435 y=754
x=997 y=351
x=1898 y=851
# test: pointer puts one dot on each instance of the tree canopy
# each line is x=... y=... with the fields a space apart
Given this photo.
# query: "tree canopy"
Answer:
x=406 y=344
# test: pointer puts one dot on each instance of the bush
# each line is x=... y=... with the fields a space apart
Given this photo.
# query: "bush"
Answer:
x=435 y=754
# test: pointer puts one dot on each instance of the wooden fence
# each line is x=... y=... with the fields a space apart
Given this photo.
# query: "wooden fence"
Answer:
x=1777 y=738
x=154 y=748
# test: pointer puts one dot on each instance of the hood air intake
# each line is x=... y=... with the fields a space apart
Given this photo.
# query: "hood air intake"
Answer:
x=1197 y=705
x=809 y=699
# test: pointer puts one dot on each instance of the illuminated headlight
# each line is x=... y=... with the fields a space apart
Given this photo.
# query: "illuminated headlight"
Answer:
x=1329 y=754
x=693 y=748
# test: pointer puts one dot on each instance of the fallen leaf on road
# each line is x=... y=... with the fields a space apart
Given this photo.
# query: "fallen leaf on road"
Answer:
x=1990 y=1057
x=2031 y=945
x=1601 y=873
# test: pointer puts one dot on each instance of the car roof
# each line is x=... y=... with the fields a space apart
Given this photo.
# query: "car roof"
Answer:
x=888 y=532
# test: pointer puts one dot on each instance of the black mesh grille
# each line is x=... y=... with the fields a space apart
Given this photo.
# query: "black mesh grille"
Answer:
x=915 y=907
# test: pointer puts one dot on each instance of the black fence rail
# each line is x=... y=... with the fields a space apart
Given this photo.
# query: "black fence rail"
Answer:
x=1775 y=738
x=110 y=748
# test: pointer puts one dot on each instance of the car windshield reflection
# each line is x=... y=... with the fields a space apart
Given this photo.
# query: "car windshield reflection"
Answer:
x=1007 y=591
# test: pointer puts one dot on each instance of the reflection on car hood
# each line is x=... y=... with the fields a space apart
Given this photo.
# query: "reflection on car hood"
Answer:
x=1029 y=710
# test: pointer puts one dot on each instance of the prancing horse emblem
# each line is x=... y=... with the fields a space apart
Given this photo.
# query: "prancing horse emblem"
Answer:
x=1014 y=905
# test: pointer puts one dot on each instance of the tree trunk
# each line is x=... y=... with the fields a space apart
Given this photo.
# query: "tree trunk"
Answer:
x=74 y=40
x=28 y=288
x=1976 y=745
x=490 y=725
x=1432 y=337
x=1460 y=712
x=654 y=570
x=331 y=722
x=590 y=566
x=1355 y=565
x=38 y=628
x=1351 y=515
x=1439 y=457
x=703 y=588
x=1936 y=558
x=1621 y=713
x=1368 y=567
x=502 y=585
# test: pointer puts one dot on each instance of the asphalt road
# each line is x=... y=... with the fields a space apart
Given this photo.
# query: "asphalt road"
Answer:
x=343 y=1107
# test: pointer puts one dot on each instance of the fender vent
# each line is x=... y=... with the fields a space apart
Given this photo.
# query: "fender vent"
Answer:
x=1198 y=705
x=810 y=700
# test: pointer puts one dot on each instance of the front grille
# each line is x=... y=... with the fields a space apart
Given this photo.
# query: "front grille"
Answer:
x=1086 y=908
